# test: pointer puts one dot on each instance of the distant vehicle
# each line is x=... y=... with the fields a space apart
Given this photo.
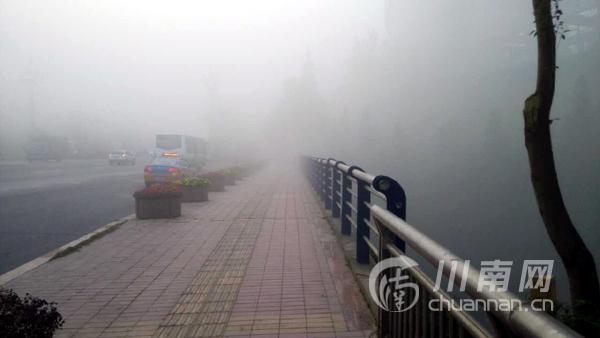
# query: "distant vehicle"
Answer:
x=118 y=157
x=166 y=170
x=46 y=148
x=190 y=150
x=175 y=157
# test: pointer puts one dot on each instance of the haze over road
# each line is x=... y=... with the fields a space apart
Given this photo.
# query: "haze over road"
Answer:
x=44 y=205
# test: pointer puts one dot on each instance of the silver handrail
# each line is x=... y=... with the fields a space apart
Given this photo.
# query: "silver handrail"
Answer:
x=525 y=321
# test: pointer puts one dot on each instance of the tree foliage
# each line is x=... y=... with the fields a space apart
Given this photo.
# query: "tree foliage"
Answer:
x=27 y=317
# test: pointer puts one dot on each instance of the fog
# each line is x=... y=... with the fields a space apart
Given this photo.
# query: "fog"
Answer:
x=428 y=92
x=128 y=70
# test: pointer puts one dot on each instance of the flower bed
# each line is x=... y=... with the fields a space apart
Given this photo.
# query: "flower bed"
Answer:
x=195 y=189
x=248 y=169
x=158 y=201
x=239 y=172
x=229 y=175
x=216 y=179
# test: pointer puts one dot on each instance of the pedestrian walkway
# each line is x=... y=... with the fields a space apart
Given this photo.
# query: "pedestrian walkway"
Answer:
x=256 y=260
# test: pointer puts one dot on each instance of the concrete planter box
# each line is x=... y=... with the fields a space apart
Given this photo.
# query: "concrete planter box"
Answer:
x=217 y=183
x=229 y=179
x=194 y=194
x=161 y=207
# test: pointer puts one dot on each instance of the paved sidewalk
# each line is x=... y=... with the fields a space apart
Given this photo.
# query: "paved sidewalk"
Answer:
x=256 y=260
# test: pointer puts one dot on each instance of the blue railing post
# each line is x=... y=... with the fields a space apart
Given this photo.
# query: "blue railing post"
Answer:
x=315 y=173
x=324 y=180
x=321 y=180
x=346 y=199
x=310 y=170
x=396 y=202
x=328 y=184
x=337 y=177
x=363 y=213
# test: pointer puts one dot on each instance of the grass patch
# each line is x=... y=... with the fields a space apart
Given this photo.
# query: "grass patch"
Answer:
x=68 y=250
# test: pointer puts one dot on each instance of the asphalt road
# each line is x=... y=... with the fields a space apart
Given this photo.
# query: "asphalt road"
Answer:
x=47 y=204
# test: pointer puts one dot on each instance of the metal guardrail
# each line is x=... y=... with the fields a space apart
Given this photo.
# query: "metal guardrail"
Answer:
x=347 y=191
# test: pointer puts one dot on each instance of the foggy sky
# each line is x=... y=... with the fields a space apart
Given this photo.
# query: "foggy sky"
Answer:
x=142 y=66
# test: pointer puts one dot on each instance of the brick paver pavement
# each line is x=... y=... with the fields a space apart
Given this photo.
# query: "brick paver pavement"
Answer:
x=256 y=260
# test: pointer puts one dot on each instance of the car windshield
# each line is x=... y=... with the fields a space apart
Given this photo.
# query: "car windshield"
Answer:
x=117 y=152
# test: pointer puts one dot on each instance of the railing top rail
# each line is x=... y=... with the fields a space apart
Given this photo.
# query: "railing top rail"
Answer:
x=359 y=175
x=343 y=167
x=363 y=176
x=525 y=321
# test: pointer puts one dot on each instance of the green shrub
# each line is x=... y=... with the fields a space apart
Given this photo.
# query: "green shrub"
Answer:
x=196 y=181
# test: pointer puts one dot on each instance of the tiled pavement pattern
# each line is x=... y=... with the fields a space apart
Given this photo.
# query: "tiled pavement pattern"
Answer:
x=258 y=260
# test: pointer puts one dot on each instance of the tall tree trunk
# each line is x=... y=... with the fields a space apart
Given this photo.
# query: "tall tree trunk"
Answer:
x=577 y=259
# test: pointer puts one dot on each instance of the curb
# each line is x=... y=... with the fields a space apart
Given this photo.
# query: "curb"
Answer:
x=63 y=250
x=359 y=272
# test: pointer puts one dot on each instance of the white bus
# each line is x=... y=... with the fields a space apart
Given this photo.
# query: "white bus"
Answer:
x=189 y=150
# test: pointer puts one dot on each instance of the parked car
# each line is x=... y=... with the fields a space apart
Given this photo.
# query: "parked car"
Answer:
x=167 y=170
x=118 y=157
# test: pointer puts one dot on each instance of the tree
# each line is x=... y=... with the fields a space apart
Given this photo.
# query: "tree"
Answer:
x=576 y=257
x=27 y=317
x=298 y=123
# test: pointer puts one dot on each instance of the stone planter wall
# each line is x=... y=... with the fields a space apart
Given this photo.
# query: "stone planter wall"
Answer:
x=165 y=207
x=217 y=183
x=194 y=194
x=229 y=179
